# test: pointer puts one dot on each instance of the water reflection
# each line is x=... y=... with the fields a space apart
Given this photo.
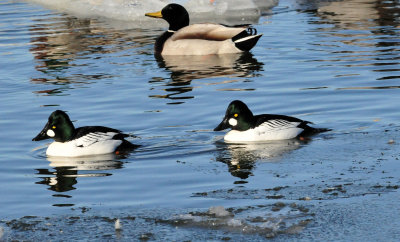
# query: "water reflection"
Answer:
x=68 y=169
x=241 y=158
x=361 y=14
x=375 y=17
x=357 y=35
x=184 y=69
x=69 y=51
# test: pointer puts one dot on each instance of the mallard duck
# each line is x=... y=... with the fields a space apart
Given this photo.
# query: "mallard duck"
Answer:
x=248 y=127
x=200 y=39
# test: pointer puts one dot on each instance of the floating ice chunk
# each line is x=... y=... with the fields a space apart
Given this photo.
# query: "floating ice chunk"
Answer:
x=117 y=224
x=190 y=217
x=220 y=11
x=219 y=211
x=126 y=10
x=234 y=222
x=271 y=225
x=223 y=10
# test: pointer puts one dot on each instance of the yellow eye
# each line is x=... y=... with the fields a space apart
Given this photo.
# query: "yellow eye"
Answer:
x=235 y=115
x=54 y=127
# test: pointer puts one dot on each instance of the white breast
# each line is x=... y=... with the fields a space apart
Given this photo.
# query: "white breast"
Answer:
x=91 y=144
x=271 y=130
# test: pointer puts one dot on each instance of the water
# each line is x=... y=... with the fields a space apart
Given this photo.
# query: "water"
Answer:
x=333 y=63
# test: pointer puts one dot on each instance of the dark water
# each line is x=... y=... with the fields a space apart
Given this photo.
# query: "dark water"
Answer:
x=336 y=64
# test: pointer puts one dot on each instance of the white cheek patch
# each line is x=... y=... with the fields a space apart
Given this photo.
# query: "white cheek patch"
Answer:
x=50 y=133
x=232 y=121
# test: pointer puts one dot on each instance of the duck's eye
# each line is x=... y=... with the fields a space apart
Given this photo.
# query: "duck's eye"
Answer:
x=235 y=115
x=54 y=127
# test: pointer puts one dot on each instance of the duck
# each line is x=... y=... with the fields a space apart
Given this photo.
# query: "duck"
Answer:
x=200 y=39
x=247 y=127
x=84 y=141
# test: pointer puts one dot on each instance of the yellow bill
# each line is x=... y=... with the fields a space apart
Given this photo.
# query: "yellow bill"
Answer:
x=154 y=15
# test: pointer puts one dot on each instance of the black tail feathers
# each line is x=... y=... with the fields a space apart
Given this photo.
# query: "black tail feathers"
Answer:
x=309 y=131
x=246 y=39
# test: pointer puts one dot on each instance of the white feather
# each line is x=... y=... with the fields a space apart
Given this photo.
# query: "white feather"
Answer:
x=50 y=133
x=277 y=129
x=91 y=144
x=232 y=121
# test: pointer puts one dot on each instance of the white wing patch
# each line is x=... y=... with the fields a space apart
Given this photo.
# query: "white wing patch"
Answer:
x=275 y=129
x=276 y=125
x=92 y=138
x=278 y=129
x=96 y=143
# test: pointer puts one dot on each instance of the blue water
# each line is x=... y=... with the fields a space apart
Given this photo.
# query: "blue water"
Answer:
x=333 y=63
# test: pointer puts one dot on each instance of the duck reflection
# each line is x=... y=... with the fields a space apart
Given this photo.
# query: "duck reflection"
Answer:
x=355 y=14
x=241 y=158
x=363 y=33
x=66 y=49
x=184 y=69
x=68 y=169
x=361 y=14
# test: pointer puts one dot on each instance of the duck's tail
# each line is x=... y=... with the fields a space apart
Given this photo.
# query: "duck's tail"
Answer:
x=125 y=147
x=312 y=131
x=246 y=39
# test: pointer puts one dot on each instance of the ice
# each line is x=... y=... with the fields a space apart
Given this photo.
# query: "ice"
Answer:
x=117 y=224
x=263 y=220
x=190 y=217
x=234 y=222
x=272 y=225
x=219 y=211
x=222 y=11
x=126 y=10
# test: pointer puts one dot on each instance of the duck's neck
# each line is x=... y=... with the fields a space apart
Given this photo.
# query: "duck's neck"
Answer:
x=180 y=23
x=159 y=45
x=244 y=125
x=65 y=132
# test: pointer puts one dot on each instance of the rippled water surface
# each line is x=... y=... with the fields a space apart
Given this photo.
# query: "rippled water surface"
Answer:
x=335 y=63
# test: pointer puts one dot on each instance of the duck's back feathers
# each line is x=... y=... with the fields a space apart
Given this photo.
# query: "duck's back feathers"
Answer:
x=214 y=32
x=90 y=135
x=285 y=127
x=276 y=118
x=206 y=39
x=101 y=131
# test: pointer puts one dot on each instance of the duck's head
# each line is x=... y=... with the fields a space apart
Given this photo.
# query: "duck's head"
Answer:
x=175 y=14
x=59 y=127
x=238 y=117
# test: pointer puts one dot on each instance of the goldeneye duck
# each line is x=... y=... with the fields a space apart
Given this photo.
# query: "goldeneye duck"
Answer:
x=248 y=127
x=200 y=39
x=83 y=141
